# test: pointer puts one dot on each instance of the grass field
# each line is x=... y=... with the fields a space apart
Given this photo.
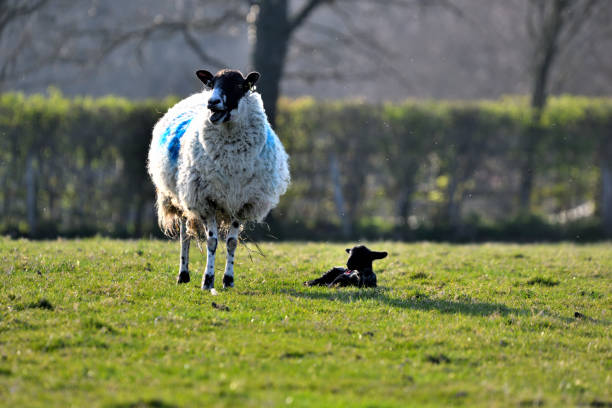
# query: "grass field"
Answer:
x=102 y=323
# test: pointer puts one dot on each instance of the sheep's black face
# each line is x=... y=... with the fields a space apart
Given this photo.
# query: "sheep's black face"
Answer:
x=360 y=257
x=228 y=87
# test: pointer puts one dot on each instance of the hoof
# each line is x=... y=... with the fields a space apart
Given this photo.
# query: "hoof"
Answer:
x=183 y=277
x=209 y=282
x=228 y=281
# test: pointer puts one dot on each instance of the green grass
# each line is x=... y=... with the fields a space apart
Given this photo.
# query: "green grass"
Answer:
x=102 y=323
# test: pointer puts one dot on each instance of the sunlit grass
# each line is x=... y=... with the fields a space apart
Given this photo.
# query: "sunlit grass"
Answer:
x=102 y=323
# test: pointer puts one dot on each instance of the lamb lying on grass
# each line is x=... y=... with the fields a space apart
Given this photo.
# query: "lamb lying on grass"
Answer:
x=215 y=161
x=359 y=272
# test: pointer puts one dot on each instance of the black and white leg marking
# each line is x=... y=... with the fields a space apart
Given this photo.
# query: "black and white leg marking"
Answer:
x=208 y=280
x=231 y=244
x=183 y=276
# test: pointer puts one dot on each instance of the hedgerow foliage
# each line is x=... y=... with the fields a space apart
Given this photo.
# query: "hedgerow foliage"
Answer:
x=412 y=169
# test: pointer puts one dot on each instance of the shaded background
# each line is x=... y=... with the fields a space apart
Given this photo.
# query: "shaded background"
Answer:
x=365 y=162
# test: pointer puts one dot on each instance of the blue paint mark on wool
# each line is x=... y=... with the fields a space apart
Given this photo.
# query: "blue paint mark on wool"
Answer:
x=175 y=143
x=269 y=139
x=174 y=132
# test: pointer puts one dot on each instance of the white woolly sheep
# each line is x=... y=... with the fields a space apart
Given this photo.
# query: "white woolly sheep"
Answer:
x=215 y=160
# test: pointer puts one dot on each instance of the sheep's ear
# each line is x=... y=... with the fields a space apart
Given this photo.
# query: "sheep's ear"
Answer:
x=348 y=250
x=378 y=255
x=250 y=80
x=205 y=76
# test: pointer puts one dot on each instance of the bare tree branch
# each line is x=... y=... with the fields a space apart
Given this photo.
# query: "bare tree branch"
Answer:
x=304 y=13
x=71 y=43
x=332 y=74
x=13 y=14
x=113 y=39
x=10 y=13
x=363 y=44
x=199 y=51
x=577 y=17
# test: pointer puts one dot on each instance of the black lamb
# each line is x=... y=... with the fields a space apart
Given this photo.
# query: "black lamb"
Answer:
x=358 y=272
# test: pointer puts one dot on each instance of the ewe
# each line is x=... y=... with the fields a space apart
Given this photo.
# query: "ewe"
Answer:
x=215 y=160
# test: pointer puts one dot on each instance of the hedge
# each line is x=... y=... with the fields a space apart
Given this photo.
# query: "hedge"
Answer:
x=417 y=169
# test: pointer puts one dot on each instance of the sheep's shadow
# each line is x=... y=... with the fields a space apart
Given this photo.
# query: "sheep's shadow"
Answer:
x=473 y=308
x=424 y=304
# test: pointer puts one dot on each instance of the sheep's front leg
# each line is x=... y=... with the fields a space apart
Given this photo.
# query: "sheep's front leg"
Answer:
x=231 y=244
x=183 y=276
x=208 y=280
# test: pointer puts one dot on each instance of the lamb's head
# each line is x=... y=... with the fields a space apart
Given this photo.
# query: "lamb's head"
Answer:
x=228 y=88
x=361 y=257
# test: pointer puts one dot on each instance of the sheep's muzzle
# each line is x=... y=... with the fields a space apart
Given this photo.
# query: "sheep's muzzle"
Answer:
x=217 y=115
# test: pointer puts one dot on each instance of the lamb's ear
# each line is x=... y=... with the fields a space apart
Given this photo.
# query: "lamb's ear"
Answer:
x=348 y=250
x=250 y=80
x=205 y=76
x=378 y=255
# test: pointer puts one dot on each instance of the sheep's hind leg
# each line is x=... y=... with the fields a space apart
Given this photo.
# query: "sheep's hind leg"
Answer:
x=208 y=280
x=231 y=244
x=183 y=276
x=327 y=278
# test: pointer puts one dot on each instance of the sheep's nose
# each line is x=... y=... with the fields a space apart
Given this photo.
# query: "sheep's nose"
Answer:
x=212 y=102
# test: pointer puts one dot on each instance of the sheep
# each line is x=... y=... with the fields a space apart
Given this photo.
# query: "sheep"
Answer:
x=358 y=272
x=216 y=163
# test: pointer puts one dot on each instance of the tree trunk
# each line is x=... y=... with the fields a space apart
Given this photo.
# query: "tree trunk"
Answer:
x=30 y=180
x=453 y=210
x=404 y=203
x=138 y=213
x=334 y=170
x=606 y=187
x=403 y=209
x=269 y=45
x=526 y=186
x=6 y=190
x=542 y=74
x=532 y=136
x=530 y=140
x=545 y=52
x=11 y=169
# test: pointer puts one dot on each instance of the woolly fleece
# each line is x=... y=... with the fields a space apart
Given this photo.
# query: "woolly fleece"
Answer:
x=235 y=170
